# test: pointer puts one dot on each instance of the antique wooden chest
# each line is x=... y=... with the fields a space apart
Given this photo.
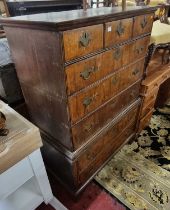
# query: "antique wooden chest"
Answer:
x=80 y=73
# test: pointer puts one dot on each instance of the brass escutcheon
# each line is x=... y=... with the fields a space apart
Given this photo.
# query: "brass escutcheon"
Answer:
x=86 y=73
x=117 y=54
x=87 y=101
x=114 y=80
x=144 y=22
x=139 y=49
x=85 y=39
x=135 y=72
x=120 y=29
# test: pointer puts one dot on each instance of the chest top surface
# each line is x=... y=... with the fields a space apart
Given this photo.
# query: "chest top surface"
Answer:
x=73 y=19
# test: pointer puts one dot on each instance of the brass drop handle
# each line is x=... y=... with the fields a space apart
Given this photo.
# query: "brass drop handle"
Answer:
x=88 y=127
x=132 y=94
x=135 y=72
x=117 y=54
x=153 y=96
x=114 y=80
x=85 y=39
x=144 y=22
x=156 y=85
x=120 y=29
x=91 y=156
x=113 y=104
x=165 y=76
x=87 y=71
x=139 y=49
x=88 y=100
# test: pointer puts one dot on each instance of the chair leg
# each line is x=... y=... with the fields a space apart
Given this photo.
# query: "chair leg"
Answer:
x=150 y=53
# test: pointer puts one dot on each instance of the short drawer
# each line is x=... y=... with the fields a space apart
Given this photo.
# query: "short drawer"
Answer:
x=142 y=24
x=141 y=47
x=107 y=151
x=89 y=99
x=146 y=109
x=82 y=41
x=118 y=31
x=85 y=129
x=107 y=137
x=145 y=121
x=15 y=177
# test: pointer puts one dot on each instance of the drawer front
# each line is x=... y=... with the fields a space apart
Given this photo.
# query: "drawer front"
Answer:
x=142 y=24
x=141 y=47
x=84 y=73
x=152 y=83
x=150 y=97
x=15 y=177
x=88 y=71
x=107 y=138
x=105 y=154
x=145 y=121
x=85 y=129
x=82 y=41
x=118 y=31
x=88 y=100
x=145 y=110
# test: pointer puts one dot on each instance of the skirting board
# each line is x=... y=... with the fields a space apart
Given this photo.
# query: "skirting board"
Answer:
x=56 y=204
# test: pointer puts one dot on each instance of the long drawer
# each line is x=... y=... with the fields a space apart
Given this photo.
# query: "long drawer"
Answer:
x=85 y=129
x=85 y=72
x=88 y=100
x=107 y=137
x=108 y=149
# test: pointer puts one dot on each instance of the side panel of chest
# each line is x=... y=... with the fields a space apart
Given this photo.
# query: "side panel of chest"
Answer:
x=41 y=74
x=81 y=85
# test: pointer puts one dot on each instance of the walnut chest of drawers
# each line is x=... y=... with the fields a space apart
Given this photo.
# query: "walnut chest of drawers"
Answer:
x=80 y=73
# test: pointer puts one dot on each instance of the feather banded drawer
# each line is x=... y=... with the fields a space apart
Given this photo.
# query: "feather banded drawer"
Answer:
x=80 y=73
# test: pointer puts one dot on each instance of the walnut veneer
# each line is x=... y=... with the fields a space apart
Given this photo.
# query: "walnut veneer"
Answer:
x=149 y=93
x=80 y=73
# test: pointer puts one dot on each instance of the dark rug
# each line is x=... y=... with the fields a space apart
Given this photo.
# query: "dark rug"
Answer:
x=139 y=175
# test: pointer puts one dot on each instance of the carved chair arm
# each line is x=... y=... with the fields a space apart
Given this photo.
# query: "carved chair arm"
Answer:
x=163 y=13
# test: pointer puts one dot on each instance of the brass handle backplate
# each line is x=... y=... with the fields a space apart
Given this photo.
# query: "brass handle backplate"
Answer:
x=135 y=72
x=114 y=80
x=117 y=54
x=88 y=127
x=87 y=71
x=91 y=156
x=120 y=29
x=85 y=39
x=87 y=101
x=144 y=22
x=139 y=49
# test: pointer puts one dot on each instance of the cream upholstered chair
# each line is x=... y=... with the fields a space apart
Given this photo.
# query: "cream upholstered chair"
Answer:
x=160 y=35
